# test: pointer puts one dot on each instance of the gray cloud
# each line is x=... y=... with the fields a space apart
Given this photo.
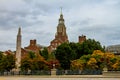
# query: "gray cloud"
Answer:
x=98 y=19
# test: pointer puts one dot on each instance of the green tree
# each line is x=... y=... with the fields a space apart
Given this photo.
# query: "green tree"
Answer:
x=1 y=55
x=76 y=49
x=37 y=64
x=64 y=54
x=44 y=53
x=72 y=51
x=1 y=61
x=31 y=55
x=88 y=46
x=25 y=64
x=7 y=62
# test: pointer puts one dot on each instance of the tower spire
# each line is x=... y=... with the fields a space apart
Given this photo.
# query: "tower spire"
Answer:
x=61 y=10
x=61 y=19
x=61 y=29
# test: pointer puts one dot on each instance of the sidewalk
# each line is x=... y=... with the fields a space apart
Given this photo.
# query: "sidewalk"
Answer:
x=60 y=76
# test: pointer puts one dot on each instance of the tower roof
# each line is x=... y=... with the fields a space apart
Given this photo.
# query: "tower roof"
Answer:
x=61 y=16
x=61 y=10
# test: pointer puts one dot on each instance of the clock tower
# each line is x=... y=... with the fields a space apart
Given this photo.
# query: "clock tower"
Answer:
x=60 y=36
x=61 y=30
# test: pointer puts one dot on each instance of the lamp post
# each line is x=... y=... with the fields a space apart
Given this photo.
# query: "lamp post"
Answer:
x=105 y=69
x=53 y=70
x=54 y=59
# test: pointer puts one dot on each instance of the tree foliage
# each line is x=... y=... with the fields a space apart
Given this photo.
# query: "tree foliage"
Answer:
x=64 y=54
x=67 y=52
x=33 y=61
x=97 y=60
x=116 y=64
x=7 y=62
x=44 y=53
x=88 y=46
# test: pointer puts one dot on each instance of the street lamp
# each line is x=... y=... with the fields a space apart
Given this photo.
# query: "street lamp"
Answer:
x=54 y=59
x=105 y=69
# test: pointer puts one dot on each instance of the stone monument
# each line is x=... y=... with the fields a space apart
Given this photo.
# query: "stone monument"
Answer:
x=18 y=50
x=53 y=71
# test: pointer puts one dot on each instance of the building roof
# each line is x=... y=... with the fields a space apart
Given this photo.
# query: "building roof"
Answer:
x=114 y=49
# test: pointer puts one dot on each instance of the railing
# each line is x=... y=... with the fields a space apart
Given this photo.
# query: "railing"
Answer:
x=41 y=72
x=79 y=72
x=58 y=72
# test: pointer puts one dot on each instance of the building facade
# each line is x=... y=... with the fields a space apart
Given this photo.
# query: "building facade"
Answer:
x=113 y=49
x=81 y=39
x=33 y=46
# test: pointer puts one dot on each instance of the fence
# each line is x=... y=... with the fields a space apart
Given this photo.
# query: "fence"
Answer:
x=58 y=72
x=41 y=72
x=79 y=72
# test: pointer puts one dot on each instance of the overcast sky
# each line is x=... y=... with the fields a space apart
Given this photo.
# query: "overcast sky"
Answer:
x=97 y=19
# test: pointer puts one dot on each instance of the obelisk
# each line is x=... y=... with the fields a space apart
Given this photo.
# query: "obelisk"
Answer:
x=18 y=50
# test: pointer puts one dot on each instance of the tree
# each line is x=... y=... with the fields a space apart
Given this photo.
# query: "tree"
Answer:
x=97 y=60
x=76 y=49
x=7 y=62
x=88 y=46
x=52 y=60
x=72 y=51
x=1 y=62
x=25 y=64
x=1 y=55
x=78 y=64
x=33 y=61
x=31 y=55
x=81 y=63
x=44 y=53
x=92 y=63
x=100 y=58
x=116 y=65
x=64 y=54
x=110 y=60
x=37 y=64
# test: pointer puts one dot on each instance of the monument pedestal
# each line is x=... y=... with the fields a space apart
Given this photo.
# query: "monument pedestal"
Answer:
x=53 y=72
x=16 y=71
x=105 y=69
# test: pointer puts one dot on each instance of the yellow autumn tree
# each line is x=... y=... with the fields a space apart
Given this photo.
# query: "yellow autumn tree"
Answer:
x=104 y=59
x=33 y=61
x=98 y=55
x=80 y=63
x=77 y=64
x=97 y=52
x=92 y=63
x=109 y=55
x=97 y=60
x=109 y=60
x=116 y=65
